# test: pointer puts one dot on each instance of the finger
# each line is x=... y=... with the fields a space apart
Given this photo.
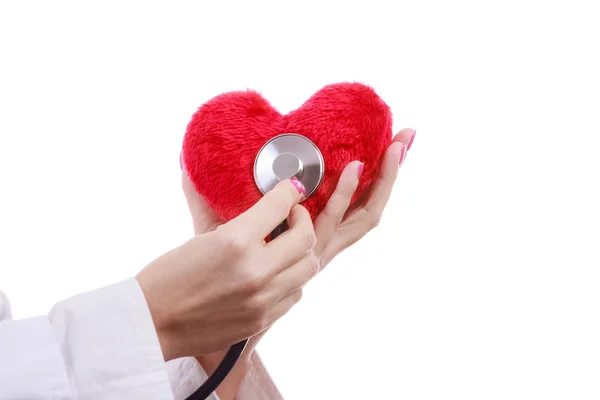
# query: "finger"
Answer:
x=329 y=219
x=367 y=216
x=203 y=216
x=344 y=238
x=295 y=277
x=264 y=216
x=382 y=188
x=283 y=306
x=295 y=243
x=406 y=136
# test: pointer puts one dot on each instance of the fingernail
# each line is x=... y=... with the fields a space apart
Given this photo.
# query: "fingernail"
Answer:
x=412 y=138
x=360 y=170
x=402 y=154
x=299 y=187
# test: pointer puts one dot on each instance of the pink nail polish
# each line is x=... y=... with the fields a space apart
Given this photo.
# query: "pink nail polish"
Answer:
x=361 y=167
x=412 y=138
x=299 y=186
x=402 y=155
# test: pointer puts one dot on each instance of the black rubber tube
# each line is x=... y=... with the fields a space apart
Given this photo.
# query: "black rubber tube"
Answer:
x=217 y=377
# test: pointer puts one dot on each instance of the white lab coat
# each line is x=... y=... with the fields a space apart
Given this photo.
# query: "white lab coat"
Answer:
x=101 y=345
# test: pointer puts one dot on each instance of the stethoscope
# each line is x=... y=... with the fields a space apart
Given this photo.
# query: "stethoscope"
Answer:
x=282 y=157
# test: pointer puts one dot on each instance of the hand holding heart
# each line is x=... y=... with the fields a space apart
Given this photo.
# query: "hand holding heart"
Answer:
x=336 y=228
x=348 y=122
x=208 y=294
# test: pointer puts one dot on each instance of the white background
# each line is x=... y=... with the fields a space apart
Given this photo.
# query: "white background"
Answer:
x=482 y=281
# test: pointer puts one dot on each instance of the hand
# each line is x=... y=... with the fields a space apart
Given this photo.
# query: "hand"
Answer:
x=229 y=284
x=336 y=228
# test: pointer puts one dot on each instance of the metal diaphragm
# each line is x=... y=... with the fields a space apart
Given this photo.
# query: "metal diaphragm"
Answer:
x=285 y=156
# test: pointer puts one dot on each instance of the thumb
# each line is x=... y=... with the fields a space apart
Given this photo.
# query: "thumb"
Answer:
x=203 y=216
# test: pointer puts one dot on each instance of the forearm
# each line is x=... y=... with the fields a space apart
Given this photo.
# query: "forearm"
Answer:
x=230 y=386
x=248 y=380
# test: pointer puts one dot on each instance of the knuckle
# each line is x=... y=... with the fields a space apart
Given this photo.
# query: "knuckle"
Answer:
x=332 y=214
x=235 y=243
x=282 y=205
x=259 y=320
x=304 y=214
x=252 y=281
x=328 y=212
x=374 y=223
x=298 y=296
x=346 y=191
x=255 y=306
x=373 y=220
x=309 y=238
x=314 y=264
x=253 y=325
x=259 y=324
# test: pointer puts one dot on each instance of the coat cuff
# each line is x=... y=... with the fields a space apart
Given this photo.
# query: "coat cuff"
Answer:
x=186 y=375
x=257 y=383
x=30 y=361
x=110 y=345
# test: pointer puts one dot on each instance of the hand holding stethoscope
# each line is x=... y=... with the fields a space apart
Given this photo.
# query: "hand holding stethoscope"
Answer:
x=336 y=228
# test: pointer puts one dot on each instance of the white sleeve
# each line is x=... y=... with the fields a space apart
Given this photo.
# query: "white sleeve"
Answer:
x=103 y=345
x=31 y=366
x=110 y=345
x=186 y=375
x=96 y=345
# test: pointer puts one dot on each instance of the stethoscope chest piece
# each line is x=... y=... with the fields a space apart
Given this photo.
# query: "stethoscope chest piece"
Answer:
x=285 y=156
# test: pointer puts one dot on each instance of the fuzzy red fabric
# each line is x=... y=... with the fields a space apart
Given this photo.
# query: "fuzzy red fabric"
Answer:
x=347 y=121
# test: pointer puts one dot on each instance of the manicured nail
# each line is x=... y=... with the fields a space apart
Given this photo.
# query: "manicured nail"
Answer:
x=299 y=187
x=402 y=154
x=360 y=169
x=412 y=138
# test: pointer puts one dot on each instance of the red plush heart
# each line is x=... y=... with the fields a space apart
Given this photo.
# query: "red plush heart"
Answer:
x=347 y=121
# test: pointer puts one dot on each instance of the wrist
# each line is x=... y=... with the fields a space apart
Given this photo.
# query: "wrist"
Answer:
x=160 y=320
x=229 y=387
x=210 y=362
